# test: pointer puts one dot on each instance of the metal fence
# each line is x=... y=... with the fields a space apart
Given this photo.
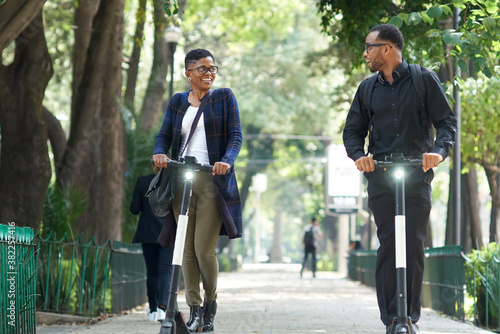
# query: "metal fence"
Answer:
x=443 y=288
x=483 y=285
x=88 y=279
x=128 y=281
x=17 y=280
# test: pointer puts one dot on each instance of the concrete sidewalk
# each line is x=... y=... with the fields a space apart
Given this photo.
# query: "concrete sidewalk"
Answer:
x=273 y=299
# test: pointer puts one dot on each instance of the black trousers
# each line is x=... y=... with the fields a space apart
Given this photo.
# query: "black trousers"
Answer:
x=381 y=200
x=312 y=251
x=159 y=270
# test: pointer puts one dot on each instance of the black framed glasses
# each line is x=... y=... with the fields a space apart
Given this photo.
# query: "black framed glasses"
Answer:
x=203 y=69
x=368 y=46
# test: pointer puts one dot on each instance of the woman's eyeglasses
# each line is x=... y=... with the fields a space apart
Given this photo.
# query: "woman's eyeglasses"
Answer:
x=203 y=69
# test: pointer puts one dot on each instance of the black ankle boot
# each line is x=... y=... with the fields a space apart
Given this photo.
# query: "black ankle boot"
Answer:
x=208 y=315
x=195 y=321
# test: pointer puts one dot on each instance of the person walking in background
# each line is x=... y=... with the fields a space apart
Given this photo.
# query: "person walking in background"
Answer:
x=158 y=259
x=312 y=232
x=398 y=120
x=215 y=207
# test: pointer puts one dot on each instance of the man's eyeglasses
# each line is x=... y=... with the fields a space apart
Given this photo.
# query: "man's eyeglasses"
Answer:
x=368 y=46
x=203 y=69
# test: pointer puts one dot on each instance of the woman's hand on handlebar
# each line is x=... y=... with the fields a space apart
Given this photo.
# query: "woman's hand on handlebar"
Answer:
x=365 y=164
x=161 y=160
x=430 y=160
x=220 y=168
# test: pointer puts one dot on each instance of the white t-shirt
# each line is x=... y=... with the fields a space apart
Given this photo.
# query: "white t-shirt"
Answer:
x=198 y=145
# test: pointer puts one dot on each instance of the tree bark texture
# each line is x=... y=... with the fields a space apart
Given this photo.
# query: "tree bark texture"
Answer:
x=15 y=17
x=133 y=63
x=94 y=158
x=471 y=234
x=25 y=166
x=151 y=108
x=57 y=138
x=84 y=15
x=495 y=214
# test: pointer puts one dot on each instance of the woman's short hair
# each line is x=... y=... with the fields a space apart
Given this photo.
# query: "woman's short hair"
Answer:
x=390 y=33
x=195 y=55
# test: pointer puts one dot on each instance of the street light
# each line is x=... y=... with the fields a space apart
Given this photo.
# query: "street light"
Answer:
x=172 y=36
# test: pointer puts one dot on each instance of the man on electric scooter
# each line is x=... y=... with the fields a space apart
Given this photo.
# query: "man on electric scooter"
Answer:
x=398 y=120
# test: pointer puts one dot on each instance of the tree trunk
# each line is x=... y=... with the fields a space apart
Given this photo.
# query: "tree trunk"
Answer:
x=276 y=255
x=495 y=212
x=471 y=200
x=94 y=157
x=25 y=166
x=113 y=147
x=84 y=14
x=162 y=57
x=133 y=63
x=15 y=17
x=471 y=234
x=57 y=138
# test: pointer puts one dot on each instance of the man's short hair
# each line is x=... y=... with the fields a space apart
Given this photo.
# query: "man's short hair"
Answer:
x=195 y=55
x=390 y=33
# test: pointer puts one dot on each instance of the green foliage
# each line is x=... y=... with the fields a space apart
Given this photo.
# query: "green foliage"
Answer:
x=62 y=207
x=171 y=7
x=348 y=22
x=244 y=22
x=224 y=262
x=481 y=120
x=482 y=275
x=327 y=262
x=475 y=41
x=140 y=145
x=70 y=277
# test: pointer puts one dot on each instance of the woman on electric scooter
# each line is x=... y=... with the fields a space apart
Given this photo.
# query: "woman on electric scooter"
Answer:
x=215 y=207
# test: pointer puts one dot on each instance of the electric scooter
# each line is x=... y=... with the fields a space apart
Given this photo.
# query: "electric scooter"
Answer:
x=402 y=323
x=174 y=322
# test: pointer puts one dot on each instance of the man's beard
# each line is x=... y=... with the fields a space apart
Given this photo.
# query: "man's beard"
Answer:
x=376 y=64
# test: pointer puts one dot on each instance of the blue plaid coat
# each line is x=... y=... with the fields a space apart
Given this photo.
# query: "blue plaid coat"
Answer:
x=224 y=140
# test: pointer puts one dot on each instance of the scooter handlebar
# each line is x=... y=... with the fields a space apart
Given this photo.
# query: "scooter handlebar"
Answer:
x=191 y=164
x=394 y=163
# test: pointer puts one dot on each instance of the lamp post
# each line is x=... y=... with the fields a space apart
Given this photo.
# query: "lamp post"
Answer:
x=172 y=36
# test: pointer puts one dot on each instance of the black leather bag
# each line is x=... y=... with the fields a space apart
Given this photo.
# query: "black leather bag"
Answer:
x=161 y=192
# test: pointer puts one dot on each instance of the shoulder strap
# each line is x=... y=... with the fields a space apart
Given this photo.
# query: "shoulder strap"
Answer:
x=425 y=121
x=418 y=80
x=367 y=92
x=203 y=103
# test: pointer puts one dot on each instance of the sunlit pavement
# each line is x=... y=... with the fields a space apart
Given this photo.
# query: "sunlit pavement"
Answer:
x=273 y=299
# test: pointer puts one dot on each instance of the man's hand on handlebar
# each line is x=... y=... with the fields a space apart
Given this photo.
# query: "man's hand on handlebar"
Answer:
x=220 y=168
x=161 y=160
x=365 y=164
x=430 y=160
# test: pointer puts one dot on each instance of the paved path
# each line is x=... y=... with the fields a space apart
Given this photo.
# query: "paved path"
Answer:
x=272 y=299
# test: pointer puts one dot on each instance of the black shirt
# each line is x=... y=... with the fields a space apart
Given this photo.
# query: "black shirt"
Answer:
x=397 y=126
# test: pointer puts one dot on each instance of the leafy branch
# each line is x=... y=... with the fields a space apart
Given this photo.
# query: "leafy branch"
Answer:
x=475 y=42
x=171 y=7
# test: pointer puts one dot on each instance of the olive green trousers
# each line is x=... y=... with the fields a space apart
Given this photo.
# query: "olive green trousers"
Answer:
x=204 y=225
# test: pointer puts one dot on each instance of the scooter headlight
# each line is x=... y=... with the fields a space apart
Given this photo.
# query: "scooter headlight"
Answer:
x=189 y=175
x=399 y=173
